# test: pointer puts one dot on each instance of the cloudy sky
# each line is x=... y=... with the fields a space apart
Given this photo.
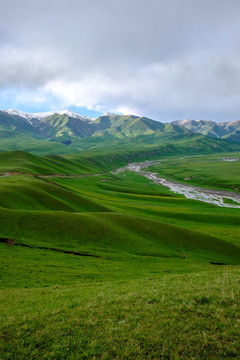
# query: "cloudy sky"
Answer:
x=166 y=59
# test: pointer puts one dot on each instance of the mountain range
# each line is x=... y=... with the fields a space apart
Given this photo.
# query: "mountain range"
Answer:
x=54 y=131
x=64 y=126
x=43 y=115
x=229 y=130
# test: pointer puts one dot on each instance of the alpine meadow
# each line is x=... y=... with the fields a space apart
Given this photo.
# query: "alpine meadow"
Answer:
x=119 y=233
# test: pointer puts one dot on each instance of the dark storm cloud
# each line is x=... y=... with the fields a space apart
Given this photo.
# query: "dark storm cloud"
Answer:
x=166 y=59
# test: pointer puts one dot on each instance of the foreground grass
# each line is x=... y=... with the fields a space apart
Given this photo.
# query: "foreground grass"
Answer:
x=152 y=292
x=192 y=316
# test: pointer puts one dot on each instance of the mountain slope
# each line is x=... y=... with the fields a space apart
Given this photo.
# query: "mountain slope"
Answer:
x=61 y=133
x=126 y=125
x=15 y=123
x=226 y=130
x=43 y=115
x=60 y=126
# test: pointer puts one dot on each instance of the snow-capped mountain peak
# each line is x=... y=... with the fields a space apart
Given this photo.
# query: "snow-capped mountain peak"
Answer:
x=108 y=114
x=69 y=113
x=185 y=121
x=23 y=114
x=42 y=115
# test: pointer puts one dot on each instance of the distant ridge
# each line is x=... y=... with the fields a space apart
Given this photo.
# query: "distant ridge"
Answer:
x=65 y=132
x=61 y=124
x=229 y=130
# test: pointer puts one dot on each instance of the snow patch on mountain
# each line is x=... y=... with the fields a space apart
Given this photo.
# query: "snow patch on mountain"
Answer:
x=69 y=113
x=23 y=114
x=108 y=114
x=42 y=115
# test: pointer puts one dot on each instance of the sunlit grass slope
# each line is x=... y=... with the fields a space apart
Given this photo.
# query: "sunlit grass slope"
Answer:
x=106 y=159
x=30 y=193
x=131 y=193
x=22 y=142
x=136 y=228
x=101 y=233
x=114 y=266
x=55 y=164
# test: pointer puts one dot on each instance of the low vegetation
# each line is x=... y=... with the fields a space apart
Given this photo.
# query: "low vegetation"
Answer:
x=113 y=266
x=190 y=316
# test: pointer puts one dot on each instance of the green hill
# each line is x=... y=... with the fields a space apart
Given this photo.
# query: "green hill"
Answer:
x=13 y=123
x=126 y=125
x=97 y=213
x=112 y=265
x=63 y=126
x=104 y=233
x=31 y=193
x=103 y=264
x=107 y=153
x=227 y=130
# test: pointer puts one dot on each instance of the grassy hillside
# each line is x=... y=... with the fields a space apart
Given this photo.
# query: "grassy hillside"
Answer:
x=55 y=164
x=126 y=125
x=11 y=124
x=28 y=193
x=58 y=126
x=114 y=266
x=101 y=157
x=13 y=141
x=227 y=130
x=176 y=316
x=115 y=216
x=110 y=232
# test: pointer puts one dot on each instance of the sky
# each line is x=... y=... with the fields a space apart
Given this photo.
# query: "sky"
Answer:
x=165 y=59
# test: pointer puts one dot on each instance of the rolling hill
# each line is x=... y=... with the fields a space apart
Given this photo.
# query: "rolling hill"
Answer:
x=106 y=258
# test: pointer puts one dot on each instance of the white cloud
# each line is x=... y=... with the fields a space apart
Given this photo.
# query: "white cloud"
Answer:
x=162 y=59
x=40 y=99
x=160 y=90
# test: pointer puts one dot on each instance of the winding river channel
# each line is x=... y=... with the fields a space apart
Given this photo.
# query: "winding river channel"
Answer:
x=222 y=198
x=211 y=196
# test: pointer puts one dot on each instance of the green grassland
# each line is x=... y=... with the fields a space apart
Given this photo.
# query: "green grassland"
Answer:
x=36 y=145
x=209 y=171
x=190 y=316
x=100 y=156
x=113 y=266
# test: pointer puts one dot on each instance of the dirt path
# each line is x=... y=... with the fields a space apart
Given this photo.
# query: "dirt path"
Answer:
x=49 y=176
x=10 y=242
